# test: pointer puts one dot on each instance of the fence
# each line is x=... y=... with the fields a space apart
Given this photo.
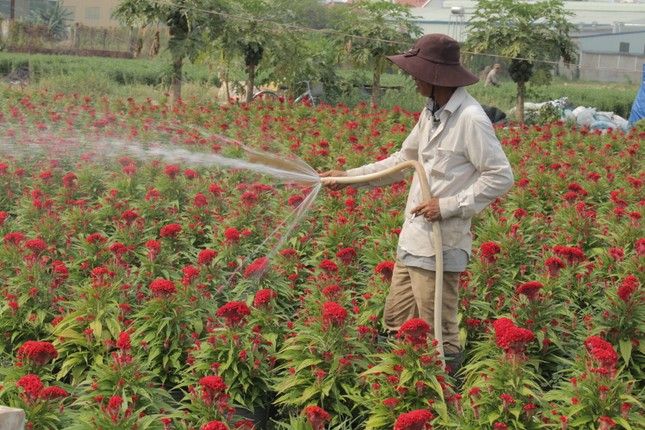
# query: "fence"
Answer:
x=21 y=36
x=605 y=68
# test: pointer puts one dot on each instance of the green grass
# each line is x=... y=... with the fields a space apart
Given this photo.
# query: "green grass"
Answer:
x=149 y=79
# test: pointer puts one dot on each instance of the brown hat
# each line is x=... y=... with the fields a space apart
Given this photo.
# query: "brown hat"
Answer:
x=497 y=66
x=435 y=59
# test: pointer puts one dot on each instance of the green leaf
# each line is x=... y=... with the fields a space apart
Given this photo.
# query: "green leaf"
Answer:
x=625 y=346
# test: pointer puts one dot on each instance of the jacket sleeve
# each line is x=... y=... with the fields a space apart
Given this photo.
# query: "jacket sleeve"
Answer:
x=408 y=151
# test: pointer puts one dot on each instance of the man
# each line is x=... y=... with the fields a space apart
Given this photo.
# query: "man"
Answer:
x=491 y=78
x=467 y=169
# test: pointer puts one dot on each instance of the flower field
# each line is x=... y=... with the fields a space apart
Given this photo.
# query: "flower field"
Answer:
x=156 y=292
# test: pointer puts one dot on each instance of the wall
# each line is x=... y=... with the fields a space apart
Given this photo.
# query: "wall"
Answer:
x=95 y=13
x=606 y=68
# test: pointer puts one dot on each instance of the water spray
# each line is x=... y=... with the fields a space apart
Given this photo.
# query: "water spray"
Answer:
x=436 y=232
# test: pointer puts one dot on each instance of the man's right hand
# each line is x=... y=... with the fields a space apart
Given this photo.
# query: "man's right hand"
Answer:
x=335 y=186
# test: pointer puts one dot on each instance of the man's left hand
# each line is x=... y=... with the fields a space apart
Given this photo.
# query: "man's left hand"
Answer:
x=429 y=210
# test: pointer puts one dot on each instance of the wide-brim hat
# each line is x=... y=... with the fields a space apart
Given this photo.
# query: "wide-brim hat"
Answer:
x=435 y=59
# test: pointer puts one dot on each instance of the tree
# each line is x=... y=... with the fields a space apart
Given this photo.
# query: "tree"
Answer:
x=189 y=23
x=526 y=32
x=373 y=30
x=55 y=17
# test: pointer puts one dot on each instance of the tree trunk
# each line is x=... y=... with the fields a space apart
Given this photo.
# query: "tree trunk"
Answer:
x=250 y=82
x=376 y=87
x=176 y=78
x=519 y=107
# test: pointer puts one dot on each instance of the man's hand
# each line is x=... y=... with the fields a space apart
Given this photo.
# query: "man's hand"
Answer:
x=429 y=210
x=332 y=184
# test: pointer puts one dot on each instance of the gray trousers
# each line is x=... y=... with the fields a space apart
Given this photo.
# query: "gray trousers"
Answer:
x=411 y=295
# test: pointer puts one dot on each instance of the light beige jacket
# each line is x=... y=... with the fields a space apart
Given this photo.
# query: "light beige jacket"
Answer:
x=465 y=166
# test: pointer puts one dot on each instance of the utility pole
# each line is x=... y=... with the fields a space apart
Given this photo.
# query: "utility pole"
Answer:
x=12 y=13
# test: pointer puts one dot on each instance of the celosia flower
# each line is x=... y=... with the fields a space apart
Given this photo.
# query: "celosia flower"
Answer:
x=334 y=314
x=316 y=416
x=234 y=313
x=249 y=199
x=263 y=298
x=346 y=255
x=206 y=257
x=32 y=387
x=232 y=235
x=385 y=269
x=163 y=288
x=214 y=425
x=257 y=268
x=627 y=288
x=53 y=393
x=212 y=388
x=36 y=246
x=415 y=420
x=170 y=231
x=129 y=216
x=123 y=343
x=328 y=266
x=511 y=338
x=171 y=171
x=295 y=201
x=553 y=265
x=488 y=252
x=530 y=289
x=602 y=352
x=36 y=353
x=414 y=331
x=570 y=254
x=606 y=423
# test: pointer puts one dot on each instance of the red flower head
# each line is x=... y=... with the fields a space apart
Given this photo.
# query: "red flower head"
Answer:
x=385 y=269
x=414 y=331
x=129 y=216
x=171 y=171
x=213 y=387
x=3 y=217
x=346 y=255
x=123 y=343
x=36 y=246
x=206 y=257
x=334 y=314
x=316 y=416
x=214 y=425
x=249 y=199
x=32 y=386
x=257 y=268
x=263 y=298
x=639 y=247
x=163 y=288
x=553 y=265
x=234 y=313
x=170 y=231
x=602 y=352
x=36 y=353
x=295 y=201
x=53 y=393
x=232 y=235
x=418 y=419
x=511 y=338
x=328 y=266
x=488 y=252
x=530 y=289
x=570 y=254
x=627 y=288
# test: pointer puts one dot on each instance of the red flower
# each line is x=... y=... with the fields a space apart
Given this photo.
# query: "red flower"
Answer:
x=129 y=216
x=602 y=352
x=263 y=298
x=257 y=268
x=36 y=246
x=639 y=247
x=171 y=171
x=163 y=288
x=36 y=353
x=530 y=289
x=606 y=423
x=488 y=252
x=206 y=257
x=414 y=331
x=295 y=201
x=170 y=231
x=328 y=266
x=123 y=343
x=213 y=387
x=232 y=235
x=53 y=393
x=511 y=338
x=214 y=425
x=334 y=314
x=346 y=255
x=553 y=265
x=385 y=269
x=415 y=420
x=570 y=254
x=190 y=174
x=627 y=288
x=249 y=199
x=316 y=416
x=3 y=217
x=32 y=386
x=234 y=313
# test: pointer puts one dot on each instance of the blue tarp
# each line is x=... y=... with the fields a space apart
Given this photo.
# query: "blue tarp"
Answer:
x=638 y=108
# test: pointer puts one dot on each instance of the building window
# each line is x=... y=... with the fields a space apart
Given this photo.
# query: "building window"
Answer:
x=623 y=48
x=92 y=13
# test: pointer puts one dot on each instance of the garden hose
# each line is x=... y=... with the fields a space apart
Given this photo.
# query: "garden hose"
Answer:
x=436 y=232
